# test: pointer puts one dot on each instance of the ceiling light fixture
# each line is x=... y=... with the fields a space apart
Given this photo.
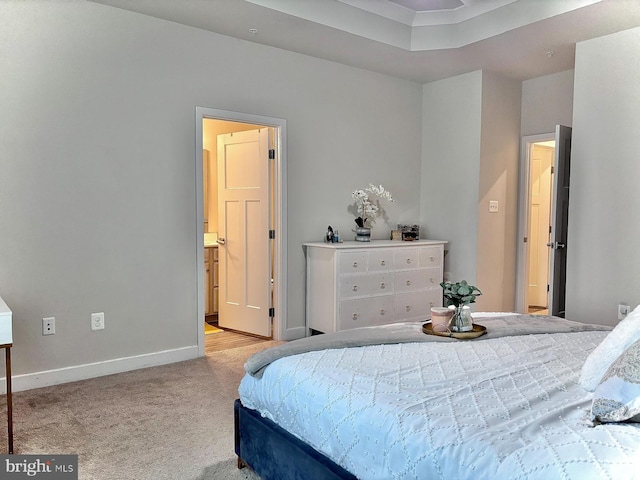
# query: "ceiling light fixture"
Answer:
x=253 y=31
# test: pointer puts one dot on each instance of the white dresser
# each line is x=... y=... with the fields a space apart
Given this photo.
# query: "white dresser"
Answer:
x=357 y=284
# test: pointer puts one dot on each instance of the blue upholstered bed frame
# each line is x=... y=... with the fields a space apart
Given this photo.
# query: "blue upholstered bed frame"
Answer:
x=275 y=454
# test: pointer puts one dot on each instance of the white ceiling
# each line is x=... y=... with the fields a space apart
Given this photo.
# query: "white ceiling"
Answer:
x=420 y=40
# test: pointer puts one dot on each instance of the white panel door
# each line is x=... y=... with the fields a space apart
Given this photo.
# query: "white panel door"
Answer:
x=539 y=224
x=243 y=232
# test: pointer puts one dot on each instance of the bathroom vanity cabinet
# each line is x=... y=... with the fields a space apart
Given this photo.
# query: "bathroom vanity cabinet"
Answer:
x=211 y=280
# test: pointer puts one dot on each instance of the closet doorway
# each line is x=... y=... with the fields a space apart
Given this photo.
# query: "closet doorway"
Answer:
x=240 y=175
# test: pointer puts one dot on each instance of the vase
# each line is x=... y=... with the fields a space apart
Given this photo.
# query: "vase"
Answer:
x=461 y=321
x=363 y=234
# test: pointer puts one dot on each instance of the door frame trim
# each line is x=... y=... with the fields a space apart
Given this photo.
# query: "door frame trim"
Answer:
x=280 y=218
x=522 y=272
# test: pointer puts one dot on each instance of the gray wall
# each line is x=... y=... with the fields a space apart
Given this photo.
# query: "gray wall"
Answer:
x=451 y=136
x=471 y=127
x=546 y=102
x=603 y=258
x=496 y=277
x=97 y=155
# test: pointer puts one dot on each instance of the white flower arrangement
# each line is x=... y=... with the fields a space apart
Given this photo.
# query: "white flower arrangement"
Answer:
x=367 y=210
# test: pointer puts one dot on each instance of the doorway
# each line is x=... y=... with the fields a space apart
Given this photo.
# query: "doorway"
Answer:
x=542 y=230
x=535 y=198
x=211 y=123
x=538 y=235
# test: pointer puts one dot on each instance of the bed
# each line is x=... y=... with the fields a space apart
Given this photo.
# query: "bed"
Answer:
x=531 y=399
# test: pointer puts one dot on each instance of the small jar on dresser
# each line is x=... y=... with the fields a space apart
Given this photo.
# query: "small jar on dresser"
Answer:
x=356 y=284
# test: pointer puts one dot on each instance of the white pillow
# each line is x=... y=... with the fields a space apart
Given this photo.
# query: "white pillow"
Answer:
x=615 y=343
x=617 y=398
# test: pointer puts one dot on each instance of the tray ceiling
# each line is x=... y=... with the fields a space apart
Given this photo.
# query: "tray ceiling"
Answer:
x=420 y=40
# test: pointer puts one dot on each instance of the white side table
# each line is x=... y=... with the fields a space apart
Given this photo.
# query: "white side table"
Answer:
x=6 y=342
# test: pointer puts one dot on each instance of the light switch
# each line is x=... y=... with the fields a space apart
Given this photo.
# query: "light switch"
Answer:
x=493 y=206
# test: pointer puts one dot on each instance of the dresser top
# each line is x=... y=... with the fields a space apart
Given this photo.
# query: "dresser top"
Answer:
x=374 y=244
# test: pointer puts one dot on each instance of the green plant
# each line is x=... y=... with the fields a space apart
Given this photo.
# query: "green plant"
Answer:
x=460 y=293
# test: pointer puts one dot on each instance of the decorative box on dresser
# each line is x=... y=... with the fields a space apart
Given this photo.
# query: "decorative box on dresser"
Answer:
x=358 y=284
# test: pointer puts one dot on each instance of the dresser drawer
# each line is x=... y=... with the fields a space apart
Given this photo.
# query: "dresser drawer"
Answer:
x=380 y=260
x=352 y=262
x=412 y=280
x=431 y=256
x=364 y=312
x=412 y=305
x=351 y=286
x=416 y=305
x=406 y=258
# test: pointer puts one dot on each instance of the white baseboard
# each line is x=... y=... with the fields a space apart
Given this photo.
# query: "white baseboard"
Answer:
x=46 y=378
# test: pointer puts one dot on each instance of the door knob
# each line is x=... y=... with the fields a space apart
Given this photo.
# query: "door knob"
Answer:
x=221 y=241
x=556 y=245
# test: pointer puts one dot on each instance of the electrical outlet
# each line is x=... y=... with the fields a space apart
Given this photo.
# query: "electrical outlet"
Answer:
x=49 y=326
x=493 y=206
x=623 y=311
x=97 y=321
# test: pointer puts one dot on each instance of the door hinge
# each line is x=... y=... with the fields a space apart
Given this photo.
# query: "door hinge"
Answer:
x=272 y=154
x=525 y=239
x=547 y=288
x=272 y=312
x=553 y=169
x=272 y=234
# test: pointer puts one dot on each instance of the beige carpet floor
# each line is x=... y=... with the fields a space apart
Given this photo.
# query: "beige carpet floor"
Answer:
x=172 y=422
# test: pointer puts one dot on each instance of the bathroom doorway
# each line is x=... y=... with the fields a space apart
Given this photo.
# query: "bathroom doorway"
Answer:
x=232 y=252
x=225 y=257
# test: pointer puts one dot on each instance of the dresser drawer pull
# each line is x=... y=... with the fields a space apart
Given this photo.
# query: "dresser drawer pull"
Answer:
x=354 y=316
x=408 y=260
x=355 y=264
x=431 y=304
x=382 y=286
x=432 y=280
x=355 y=288
x=432 y=259
x=382 y=311
x=408 y=282
x=382 y=263
x=407 y=308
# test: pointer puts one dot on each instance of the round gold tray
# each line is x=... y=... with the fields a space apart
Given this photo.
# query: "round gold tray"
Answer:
x=478 y=330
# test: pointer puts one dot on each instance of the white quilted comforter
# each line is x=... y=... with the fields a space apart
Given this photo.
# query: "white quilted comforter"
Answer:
x=503 y=408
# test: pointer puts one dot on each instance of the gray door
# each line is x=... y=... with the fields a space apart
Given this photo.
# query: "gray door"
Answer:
x=560 y=218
